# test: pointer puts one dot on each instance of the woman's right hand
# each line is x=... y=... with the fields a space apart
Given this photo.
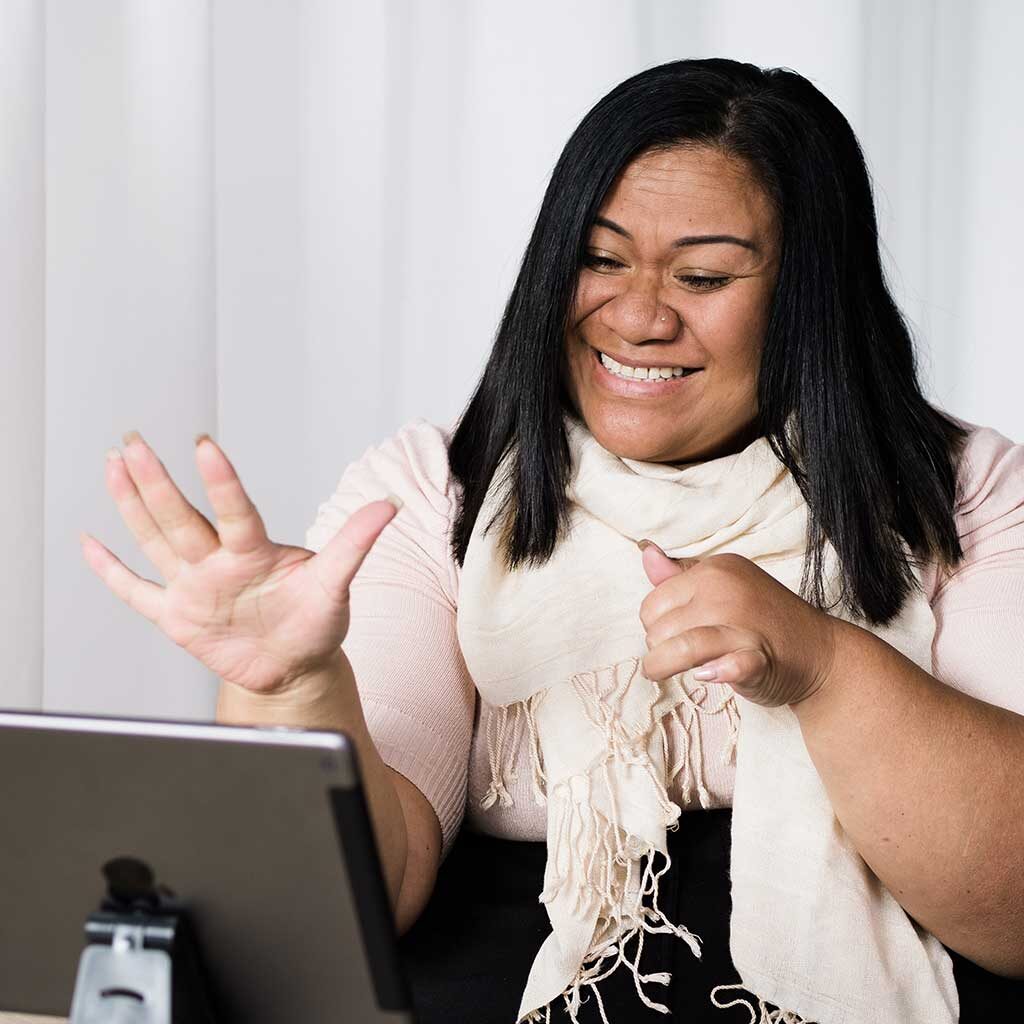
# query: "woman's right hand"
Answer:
x=260 y=615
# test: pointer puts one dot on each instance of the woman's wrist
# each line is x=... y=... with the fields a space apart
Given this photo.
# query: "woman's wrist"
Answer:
x=322 y=698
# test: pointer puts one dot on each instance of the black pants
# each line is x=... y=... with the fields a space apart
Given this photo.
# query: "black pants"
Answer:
x=469 y=954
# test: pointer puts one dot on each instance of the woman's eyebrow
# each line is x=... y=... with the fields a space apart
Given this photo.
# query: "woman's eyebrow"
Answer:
x=680 y=242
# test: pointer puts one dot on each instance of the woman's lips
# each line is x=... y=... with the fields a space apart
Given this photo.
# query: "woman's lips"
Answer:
x=638 y=388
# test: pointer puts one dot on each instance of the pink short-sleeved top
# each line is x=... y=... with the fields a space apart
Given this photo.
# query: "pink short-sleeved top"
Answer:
x=421 y=705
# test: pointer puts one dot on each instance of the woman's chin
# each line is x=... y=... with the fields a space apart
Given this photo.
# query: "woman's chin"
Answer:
x=630 y=438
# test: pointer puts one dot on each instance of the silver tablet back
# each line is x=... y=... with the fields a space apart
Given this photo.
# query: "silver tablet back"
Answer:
x=250 y=828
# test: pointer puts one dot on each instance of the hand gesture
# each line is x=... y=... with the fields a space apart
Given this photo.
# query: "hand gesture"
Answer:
x=260 y=615
x=742 y=626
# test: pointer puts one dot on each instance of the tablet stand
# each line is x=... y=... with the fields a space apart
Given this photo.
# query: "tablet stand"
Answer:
x=140 y=966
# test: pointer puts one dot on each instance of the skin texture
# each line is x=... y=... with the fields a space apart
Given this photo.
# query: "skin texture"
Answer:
x=634 y=302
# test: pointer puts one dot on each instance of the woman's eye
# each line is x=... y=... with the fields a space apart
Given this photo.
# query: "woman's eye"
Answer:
x=600 y=262
x=699 y=282
x=703 y=283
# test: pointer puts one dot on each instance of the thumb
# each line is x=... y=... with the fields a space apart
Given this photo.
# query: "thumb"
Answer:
x=339 y=560
x=658 y=565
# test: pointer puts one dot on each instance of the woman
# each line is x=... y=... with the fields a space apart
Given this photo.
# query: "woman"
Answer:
x=812 y=657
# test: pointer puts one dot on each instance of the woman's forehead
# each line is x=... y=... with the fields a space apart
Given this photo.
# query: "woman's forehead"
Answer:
x=690 y=190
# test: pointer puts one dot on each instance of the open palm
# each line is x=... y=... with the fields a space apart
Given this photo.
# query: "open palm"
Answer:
x=260 y=615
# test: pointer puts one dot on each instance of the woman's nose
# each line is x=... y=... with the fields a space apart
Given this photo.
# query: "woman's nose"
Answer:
x=639 y=315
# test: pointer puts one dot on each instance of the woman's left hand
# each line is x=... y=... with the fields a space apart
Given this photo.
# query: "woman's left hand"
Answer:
x=729 y=616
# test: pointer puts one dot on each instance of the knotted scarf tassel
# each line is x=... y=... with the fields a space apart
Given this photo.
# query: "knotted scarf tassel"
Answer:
x=760 y=1015
x=502 y=761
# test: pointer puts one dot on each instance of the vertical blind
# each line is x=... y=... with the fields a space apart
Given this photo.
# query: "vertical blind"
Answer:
x=294 y=225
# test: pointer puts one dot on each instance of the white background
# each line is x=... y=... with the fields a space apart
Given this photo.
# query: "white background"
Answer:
x=294 y=223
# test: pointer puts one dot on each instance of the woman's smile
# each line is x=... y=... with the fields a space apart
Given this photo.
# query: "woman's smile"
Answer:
x=606 y=377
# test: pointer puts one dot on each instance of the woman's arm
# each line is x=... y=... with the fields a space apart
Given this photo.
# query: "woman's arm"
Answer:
x=413 y=719
x=929 y=784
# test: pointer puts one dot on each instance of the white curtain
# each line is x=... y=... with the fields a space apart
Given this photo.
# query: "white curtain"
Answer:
x=294 y=223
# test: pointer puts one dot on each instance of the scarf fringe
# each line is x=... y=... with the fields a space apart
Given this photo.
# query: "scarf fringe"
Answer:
x=504 y=731
x=591 y=853
x=608 y=847
x=760 y=1015
x=502 y=753
x=650 y=919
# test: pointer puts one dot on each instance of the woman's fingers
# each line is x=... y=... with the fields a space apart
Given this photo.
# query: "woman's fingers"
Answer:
x=144 y=596
x=187 y=531
x=239 y=525
x=137 y=518
x=737 y=653
x=337 y=563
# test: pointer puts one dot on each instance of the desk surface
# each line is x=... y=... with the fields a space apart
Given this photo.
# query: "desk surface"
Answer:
x=22 y=1018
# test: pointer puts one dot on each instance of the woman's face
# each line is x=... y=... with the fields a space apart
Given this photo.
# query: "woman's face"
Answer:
x=658 y=290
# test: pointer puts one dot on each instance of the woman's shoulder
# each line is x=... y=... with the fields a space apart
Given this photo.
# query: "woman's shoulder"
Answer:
x=412 y=465
x=989 y=506
x=991 y=474
x=979 y=617
x=414 y=460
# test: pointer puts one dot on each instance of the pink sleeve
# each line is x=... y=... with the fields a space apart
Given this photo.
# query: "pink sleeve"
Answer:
x=979 y=607
x=416 y=694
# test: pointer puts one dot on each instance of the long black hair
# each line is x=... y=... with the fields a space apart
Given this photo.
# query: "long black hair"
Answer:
x=876 y=463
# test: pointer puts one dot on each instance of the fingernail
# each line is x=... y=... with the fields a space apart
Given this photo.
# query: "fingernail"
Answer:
x=395 y=500
x=131 y=437
x=645 y=543
x=113 y=455
x=705 y=673
x=200 y=438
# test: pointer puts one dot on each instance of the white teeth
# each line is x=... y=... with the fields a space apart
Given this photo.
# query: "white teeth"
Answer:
x=640 y=372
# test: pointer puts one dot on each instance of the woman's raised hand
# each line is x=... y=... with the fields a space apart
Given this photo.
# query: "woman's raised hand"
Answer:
x=260 y=615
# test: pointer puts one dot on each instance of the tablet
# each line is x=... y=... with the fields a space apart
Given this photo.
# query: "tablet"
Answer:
x=261 y=834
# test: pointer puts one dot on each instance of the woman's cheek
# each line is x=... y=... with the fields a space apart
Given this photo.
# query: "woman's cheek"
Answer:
x=593 y=292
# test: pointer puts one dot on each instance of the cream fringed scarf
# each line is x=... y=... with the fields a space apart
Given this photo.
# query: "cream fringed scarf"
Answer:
x=556 y=650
